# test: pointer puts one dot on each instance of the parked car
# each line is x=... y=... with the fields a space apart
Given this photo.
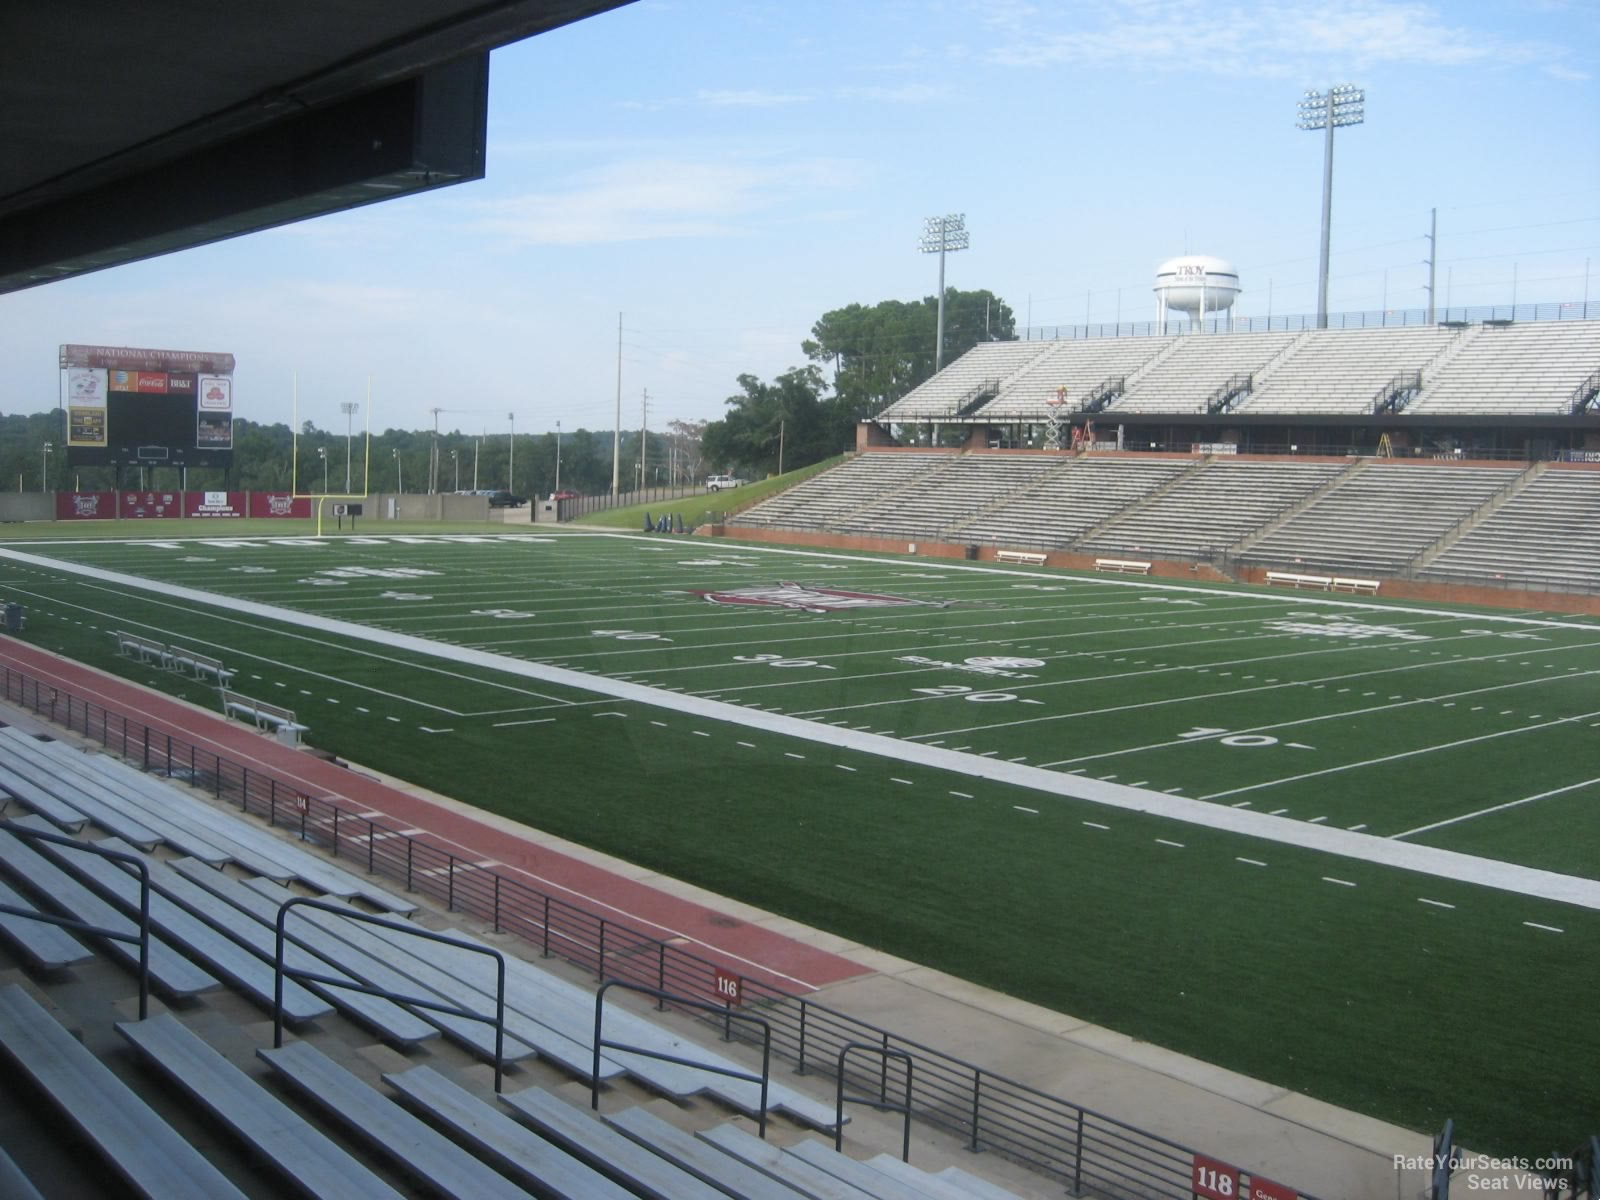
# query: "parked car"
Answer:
x=506 y=500
x=564 y=494
x=717 y=483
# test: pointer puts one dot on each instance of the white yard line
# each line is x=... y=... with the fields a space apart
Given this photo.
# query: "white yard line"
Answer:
x=1483 y=812
x=1388 y=758
x=1429 y=860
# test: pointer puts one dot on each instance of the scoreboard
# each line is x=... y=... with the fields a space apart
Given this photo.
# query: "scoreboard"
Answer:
x=128 y=406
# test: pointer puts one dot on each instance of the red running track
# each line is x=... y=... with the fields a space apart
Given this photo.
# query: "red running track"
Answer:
x=752 y=950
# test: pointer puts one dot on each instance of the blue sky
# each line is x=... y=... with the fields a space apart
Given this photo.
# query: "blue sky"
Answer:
x=721 y=173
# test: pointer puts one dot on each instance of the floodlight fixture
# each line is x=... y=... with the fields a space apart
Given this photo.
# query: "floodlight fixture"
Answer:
x=941 y=235
x=1336 y=108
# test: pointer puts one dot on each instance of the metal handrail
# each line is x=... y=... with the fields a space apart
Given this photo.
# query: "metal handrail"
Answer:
x=141 y=939
x=280 y=969
x=878 y=1103
x=763 y=1079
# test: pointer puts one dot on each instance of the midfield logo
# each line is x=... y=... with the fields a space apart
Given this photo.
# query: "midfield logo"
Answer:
x=812 y=599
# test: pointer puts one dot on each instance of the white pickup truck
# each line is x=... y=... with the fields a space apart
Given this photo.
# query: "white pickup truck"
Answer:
x=716 y=483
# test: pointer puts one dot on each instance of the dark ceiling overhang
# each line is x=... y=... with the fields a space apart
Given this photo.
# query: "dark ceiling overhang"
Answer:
x=135 y=130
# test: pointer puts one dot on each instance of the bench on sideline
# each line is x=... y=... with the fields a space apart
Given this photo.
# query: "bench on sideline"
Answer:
x=268 y=717
x=199 y=665
x=1324 y=583
x=171 y=658
x=1122 y=566
x=1030 y=558
x=133 y=1139
x=136 y=645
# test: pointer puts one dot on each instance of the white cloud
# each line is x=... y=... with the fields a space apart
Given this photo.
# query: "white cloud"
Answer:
x=1274 y=39
x=650 y=198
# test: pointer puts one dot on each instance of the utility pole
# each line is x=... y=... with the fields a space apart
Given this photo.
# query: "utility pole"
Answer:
x=558 y=456
x=477 y=444
x=433 y=456
x=1433 y=258
x=511 y=465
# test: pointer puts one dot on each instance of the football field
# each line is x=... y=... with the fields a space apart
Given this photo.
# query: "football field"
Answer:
x=1346 y=846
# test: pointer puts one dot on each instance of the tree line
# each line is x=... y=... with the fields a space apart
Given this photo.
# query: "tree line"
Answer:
x=860 y=359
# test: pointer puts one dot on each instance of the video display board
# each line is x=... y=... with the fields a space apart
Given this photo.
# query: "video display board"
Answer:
x=147 y=407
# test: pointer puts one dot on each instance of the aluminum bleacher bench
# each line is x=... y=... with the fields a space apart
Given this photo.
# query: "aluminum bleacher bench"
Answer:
x=607 y=1150
x=509 y=1146
x=48 y=947
x=270 y=717
x=136 y=645
x=170 y=970
x=696 y=1157
x=394 y=1024
x=14 y=1185
x=859 y=1174
x=1296 y=580
x=768 y=1159
x=40 y=800
x=249 y=974
x=197 y=664
x=294 y=1146
x=142 y=1148
x=939 y=1186
x=1366 y=587
x=1122 y=566
x=1029 y=557
x=388 y=1128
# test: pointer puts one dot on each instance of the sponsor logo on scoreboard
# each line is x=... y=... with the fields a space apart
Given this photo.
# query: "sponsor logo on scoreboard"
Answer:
x=216 y=393
x=811 y=599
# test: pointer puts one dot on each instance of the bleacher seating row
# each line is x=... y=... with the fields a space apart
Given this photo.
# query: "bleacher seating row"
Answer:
x=329 y=1113
x=1355 y=519
x=1526 y=368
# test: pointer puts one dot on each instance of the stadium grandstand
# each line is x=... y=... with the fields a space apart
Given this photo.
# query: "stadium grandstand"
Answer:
x=1463 y=453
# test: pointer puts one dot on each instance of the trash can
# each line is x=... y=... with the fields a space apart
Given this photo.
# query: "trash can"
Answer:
x=972 y=553
x=13 y=617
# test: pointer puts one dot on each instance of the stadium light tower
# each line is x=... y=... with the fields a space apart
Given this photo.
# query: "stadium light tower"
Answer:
x=939 y=235
x=348 y=408
x=1338 y=106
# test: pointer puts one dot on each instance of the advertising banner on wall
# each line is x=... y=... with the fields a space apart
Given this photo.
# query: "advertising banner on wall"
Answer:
x=86 y=506
x=150 y=504
x=279 y=504
x=104 y=506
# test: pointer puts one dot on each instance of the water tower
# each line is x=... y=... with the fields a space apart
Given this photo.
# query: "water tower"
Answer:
x=1195 y=284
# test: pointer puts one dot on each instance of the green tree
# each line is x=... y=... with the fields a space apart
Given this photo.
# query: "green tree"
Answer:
x=785 y=418
x=882 y=352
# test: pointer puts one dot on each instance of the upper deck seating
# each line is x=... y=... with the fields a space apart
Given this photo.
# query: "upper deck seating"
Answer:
x=1341 y=370
x=1527 y=368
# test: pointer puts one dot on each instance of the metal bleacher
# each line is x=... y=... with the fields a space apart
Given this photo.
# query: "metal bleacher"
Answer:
x=372 y=1095
x=1379 y=518
x=1512 y=370
x=1547 y=535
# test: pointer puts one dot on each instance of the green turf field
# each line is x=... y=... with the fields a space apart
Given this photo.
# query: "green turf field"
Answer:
x=625 y=710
